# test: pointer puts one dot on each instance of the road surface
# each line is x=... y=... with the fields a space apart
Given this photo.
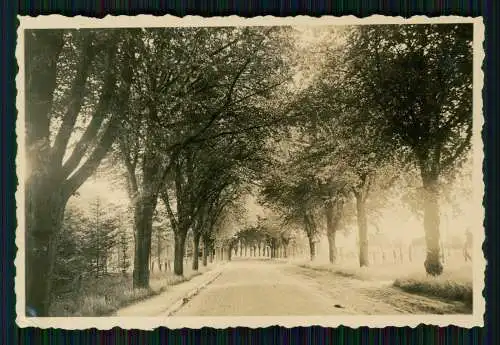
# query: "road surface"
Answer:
x=270 y=288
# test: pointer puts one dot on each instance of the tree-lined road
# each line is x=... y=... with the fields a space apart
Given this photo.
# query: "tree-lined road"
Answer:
x=267 y=288
x=196 y=124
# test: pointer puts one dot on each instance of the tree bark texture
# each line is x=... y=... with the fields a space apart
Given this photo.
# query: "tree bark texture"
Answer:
x=143 y=219
x=44 y=217
x=179 y=246
x=433 y=265
x=312 y=248
x=196 y=251
x=362 y=229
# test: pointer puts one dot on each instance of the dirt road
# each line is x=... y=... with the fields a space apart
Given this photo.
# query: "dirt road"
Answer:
x=267 y=288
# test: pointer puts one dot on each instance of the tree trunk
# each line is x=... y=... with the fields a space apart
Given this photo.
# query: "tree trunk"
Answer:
x=410 y=253
x=332 y=249
x=205 y=252
x=362 y=229
x=443 y=253
x=432 y=263
x=143 y=219
x=44 y=218
x=179 y=246
x=312 y=248
x=285 y=254
x=196 y=251
x=158 y=248
x=333 y=211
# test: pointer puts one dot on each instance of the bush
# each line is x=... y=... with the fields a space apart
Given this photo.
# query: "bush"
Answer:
x=437 y=287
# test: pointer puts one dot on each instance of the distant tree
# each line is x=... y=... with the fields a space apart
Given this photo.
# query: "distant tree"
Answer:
x=298 y=198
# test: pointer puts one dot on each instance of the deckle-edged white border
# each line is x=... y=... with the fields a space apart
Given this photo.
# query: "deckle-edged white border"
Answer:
x=354 y=321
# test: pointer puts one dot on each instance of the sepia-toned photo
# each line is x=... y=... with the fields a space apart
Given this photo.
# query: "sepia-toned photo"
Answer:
x=249 y=172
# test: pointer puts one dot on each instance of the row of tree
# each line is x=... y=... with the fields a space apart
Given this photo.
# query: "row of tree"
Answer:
x=183 y=110
x=193 y=117
x=390 y=108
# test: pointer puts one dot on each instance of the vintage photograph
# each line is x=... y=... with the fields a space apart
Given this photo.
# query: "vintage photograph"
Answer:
x=306 y=168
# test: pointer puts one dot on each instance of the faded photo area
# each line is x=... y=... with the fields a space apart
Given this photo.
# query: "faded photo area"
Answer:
x=249 y=171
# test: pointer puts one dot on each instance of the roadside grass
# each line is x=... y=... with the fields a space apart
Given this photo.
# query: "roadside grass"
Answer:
x=103 y=296
x=439 y=287
x=455 y=283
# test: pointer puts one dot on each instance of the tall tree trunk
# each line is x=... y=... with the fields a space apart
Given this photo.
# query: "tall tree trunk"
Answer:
x=310 y=229
x=196 y=251
x=205 y=256
x=44 y=217
x=205 y=252
x=333 y=210
x=158 y=248
x=143 y=219
x=332 y=249
x=179 y=246
x=362 y=229
x=432 y=263
x=312 y=248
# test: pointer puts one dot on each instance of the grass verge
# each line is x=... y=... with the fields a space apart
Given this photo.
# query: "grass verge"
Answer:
x=348 y=272
x=437 y=287
x=455 y=284
x=103 y=296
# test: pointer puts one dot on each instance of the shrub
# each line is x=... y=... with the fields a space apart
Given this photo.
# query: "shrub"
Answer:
x=437 y=287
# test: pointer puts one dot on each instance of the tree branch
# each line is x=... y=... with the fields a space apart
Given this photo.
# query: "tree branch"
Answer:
x=171 y=215
x=94 y=126
x=76 y=99
x=89 y=167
